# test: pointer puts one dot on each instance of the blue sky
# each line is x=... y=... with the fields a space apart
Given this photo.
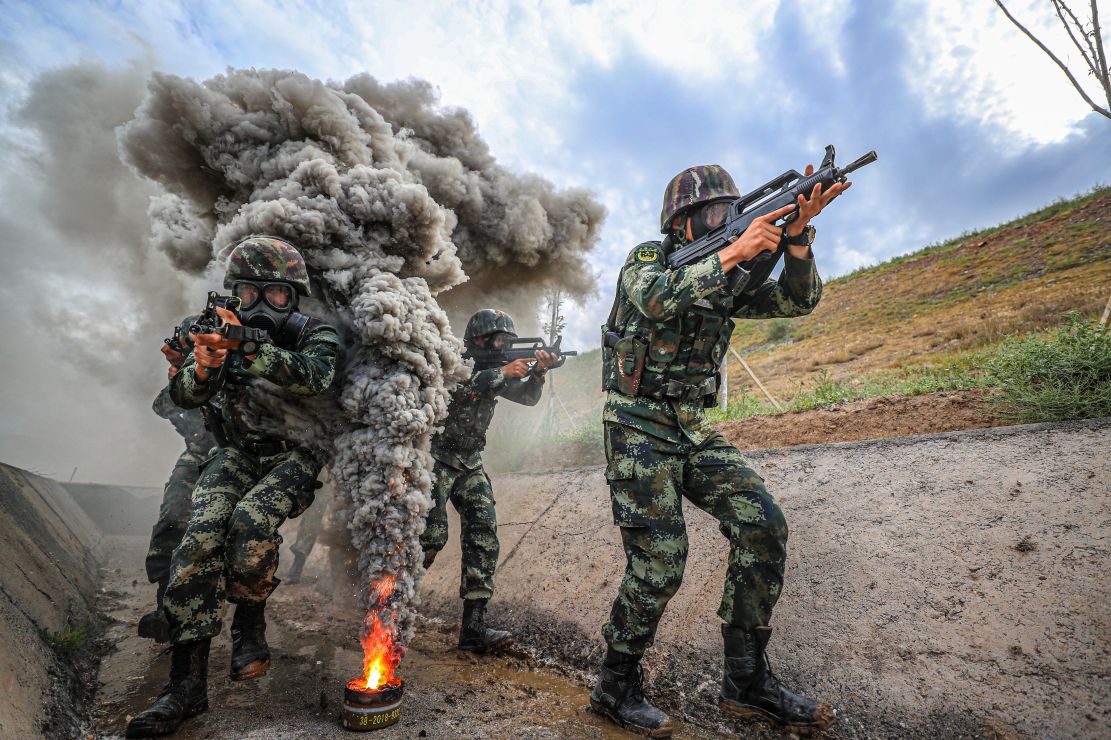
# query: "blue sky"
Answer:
x=972 y=124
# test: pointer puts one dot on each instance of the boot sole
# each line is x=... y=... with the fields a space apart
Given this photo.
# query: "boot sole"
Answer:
x=663 y=731
x=157 y=728
x=825 y=717
x=254 y=669
x=488 y=649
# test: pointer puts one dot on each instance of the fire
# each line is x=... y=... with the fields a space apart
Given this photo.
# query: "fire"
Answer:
x=380 y=654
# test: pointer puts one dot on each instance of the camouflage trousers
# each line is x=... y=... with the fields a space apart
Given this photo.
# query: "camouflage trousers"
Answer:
x=472 y=496
x=230 y=548
x=648 y=478
x=173 y=515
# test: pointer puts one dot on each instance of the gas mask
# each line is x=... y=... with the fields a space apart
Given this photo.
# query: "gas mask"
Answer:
x=486 y=354
x=265 y=305
x=709 y=217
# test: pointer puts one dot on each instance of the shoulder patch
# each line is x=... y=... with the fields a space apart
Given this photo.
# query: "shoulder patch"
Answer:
x=647 y=253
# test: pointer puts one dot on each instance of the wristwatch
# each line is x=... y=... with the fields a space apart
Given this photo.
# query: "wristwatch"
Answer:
x=804 y=239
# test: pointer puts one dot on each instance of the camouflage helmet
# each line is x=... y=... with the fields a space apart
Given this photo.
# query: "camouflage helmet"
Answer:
x=488 y=321
x=694 y=186
x=267 y=258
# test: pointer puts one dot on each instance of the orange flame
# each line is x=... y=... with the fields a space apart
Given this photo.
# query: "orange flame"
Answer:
x=380 y=654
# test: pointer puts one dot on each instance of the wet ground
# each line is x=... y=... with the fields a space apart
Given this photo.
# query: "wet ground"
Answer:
x=313 y=638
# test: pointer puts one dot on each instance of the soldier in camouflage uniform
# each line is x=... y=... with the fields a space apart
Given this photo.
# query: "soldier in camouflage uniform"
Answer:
x=664 y=344
x=458 y=475
x=255 y=481
x=177 y=496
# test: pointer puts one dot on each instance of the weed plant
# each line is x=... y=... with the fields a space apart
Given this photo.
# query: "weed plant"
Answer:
x=1055 y=377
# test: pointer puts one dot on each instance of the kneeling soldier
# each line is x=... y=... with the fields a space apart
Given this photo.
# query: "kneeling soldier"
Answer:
x=458 y=475
x=667 y=335
x=254 y=482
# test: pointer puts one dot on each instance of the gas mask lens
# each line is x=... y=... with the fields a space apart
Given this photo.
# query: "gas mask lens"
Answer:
x=279 y=296
x=248 y=294
x=499 y=340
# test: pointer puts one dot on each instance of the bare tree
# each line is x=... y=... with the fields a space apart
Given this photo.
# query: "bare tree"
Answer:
x=1088 y=40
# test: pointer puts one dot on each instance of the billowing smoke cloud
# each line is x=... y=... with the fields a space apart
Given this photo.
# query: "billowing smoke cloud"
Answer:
x=392 y=201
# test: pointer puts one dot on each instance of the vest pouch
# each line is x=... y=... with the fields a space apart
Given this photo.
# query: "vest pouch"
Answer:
x=628 y=363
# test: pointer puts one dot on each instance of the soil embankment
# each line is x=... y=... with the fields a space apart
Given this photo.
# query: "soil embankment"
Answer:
x=946 y=585
x=48 y=579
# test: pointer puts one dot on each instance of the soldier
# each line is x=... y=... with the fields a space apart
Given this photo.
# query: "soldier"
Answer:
x=458 y=475
x=255 y=481
x=177 y=496
x=666 y=337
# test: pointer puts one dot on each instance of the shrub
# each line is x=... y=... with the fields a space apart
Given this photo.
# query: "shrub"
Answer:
x=1065 y=375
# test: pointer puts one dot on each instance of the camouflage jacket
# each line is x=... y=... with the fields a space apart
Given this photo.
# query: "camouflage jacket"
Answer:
x=461 y=442
x=189 y=423
x=684 y=317
x=307 y=371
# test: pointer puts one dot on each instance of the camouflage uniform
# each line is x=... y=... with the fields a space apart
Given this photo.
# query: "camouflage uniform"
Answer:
x=230 y=548
x=177 y=495
x=458 y=476
x=674 y=328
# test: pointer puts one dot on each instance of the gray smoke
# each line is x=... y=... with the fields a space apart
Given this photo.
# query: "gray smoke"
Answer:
x=392 y=201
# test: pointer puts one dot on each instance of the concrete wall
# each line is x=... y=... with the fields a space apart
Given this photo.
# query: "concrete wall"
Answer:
x=936 y=586
x=48 y=579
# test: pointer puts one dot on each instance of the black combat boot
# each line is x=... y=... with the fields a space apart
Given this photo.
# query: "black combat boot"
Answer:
x=619 y=695
x=474 y=635
x=250 y=655
x=154 y=625
x=750 y=690
x=185 y=696
x=294 y=574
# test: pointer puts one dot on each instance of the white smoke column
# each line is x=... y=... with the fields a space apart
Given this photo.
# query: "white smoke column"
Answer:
x=362 y=197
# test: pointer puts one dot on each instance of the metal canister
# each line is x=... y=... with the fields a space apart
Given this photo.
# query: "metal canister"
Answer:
x=365 y=710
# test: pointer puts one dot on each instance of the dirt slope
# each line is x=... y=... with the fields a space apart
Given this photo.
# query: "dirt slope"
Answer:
x=47 y=581
x=940 y=586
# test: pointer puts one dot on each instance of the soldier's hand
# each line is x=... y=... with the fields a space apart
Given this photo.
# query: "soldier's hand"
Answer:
x=762 y=235
x=171 y=371
x=207 y=358
x=544 y=360
x=812 y=206
x=172 y=355
x=219 y=341
x=517 y=368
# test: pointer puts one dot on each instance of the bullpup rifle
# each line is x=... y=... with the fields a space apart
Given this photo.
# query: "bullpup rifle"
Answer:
x=781 y=191
x=518 y=348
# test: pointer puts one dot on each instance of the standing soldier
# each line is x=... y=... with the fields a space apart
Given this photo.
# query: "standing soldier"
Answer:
x=665 y=340
x=458 y=475
x=177 y=496
x=255 y=481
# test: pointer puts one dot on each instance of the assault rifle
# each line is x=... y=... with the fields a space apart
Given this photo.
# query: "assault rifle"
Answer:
x=175 y=343
x=518 y=348
x=781 y=191
x=209 y=322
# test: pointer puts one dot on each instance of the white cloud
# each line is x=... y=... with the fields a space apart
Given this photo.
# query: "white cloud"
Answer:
x=972 y=63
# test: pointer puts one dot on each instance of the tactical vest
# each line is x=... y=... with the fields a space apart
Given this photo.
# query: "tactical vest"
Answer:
x=468 y=418
x=678 y=359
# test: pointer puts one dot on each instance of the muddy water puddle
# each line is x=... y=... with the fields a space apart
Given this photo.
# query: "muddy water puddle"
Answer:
x=315 y=651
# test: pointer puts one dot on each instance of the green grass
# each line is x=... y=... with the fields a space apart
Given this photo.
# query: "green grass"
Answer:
x=1065 y=374
x=67 y=644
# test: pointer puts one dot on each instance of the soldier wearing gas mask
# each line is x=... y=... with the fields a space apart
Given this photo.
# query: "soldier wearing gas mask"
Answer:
x=458 y=475
x=252 y=484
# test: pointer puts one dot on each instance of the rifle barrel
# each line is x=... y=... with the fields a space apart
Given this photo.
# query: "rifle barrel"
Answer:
x=858 y=163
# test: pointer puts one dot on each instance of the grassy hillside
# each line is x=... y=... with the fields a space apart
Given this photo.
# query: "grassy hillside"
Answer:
x=935 y=306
